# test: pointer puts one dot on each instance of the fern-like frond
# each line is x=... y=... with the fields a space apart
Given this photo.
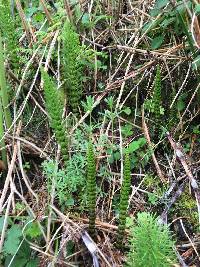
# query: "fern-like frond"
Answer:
x=72 y=66
x=54 y=105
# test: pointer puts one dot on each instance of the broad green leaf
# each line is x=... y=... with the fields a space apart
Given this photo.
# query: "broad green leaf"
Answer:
x=13 y=239
x=161 y=4
x=9 y=221
x=16 y=262
x=135 y=145
x=33 y=263
x=157 y=41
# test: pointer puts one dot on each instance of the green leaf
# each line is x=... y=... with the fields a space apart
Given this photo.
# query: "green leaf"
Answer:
x=117 y=155
x=196 y=129
x=33 y=263
x=70 y=202
x=135 y=145
x=14 y=235
x=86 y=19
x=39 y=17
x=127 y=130
x=180 y=104
x=127 y=111
x=150 y=25
x=181 y=8
x=22 y=258
x=152 y=198
x=157 y=42
x=161 y=4
x=33 y=230
x=101 y=17
x=17 y=262
x=1 y=223
x=197 y=9
x=166 y=22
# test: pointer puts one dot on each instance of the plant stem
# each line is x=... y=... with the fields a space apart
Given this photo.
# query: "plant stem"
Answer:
x=3 y=88
x=2 y=141
x=124 y=197
x=91 y=189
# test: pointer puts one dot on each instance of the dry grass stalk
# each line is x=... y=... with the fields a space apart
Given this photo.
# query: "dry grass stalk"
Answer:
x=147 y=136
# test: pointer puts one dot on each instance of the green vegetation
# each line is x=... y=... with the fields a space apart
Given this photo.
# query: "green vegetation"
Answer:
x=154 y=105
x=55 y=107
x=124 y=197
x=72 y=66
x=117 y=84
x=150 y=243
x=4 y=88
x=91 y=188
x=4 y=104
x=16 y=249
x=9 y=34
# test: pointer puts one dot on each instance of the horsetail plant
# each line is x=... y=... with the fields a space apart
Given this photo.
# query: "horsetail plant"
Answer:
x=151 y=243
x=54 y=107
x=124 y=197
x=91 y=188
x=73 y=68
x=8 y=30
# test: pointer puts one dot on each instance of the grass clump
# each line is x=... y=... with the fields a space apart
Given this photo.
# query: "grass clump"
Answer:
x=150 y=243
x=54 y=105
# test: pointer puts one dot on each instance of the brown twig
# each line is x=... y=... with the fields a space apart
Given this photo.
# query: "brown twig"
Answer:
x=182 y=158
x=27 y=28
x=46 y=11
x=146 y=134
